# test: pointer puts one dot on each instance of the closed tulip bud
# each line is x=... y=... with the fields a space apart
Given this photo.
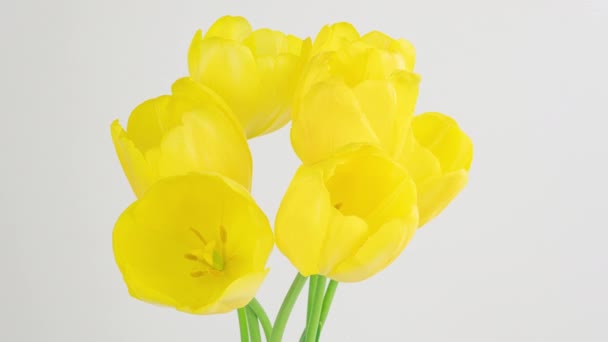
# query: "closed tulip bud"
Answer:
x=347 y=217
x=396 y=52
x=355 y=90
x=254 y=71
x=192 y=130
x=438 y=156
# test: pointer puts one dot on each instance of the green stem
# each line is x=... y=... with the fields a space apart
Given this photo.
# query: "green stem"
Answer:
x=286 y=307
x=262 y=316
x=254 y=326
x=312 y=287
x=313 y=324
x=329 y=297
x=242 y=313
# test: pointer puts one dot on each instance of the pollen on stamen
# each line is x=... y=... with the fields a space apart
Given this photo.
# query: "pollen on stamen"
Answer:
x=191 y=256
x=198 y=234
x=197 y=274
x=223 y=235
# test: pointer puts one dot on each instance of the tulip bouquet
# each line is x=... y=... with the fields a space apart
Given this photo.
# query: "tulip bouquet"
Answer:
x=372 y=172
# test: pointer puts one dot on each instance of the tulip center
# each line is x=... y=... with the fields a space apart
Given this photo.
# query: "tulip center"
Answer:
x=364 y=187
x=209 y=257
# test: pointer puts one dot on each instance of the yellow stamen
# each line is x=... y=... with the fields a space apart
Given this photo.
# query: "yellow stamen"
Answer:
x=198 y=274
x=210 y=257
x=223 y=234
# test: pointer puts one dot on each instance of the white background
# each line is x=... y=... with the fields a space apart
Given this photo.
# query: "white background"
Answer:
x=520 y=255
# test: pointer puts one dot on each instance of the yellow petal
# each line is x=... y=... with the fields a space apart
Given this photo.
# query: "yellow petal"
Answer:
x=153 y=237
x=267 y=42
x=192 y=97
x=408 y=51
x=365 y=180
x=436 y=193
x=139 y=173
x=273 y=106
x=275 y=72
x=302 y=220
x=206 y=141
x=192 y=130
x=280 y=59
x=230 y=70
x=194 y=55
x=296 y=46
x=230 y=27
x=149 y=121
x=327 y=118
x=191 y=93
x=354 y=64
x=237 y=295
x=437 y=155
x=209 y=138
x=419 y=161
x=354 y=59
x=388 y=106
x=337 y=212
x=378 y=251
x=377 y=39
x=316 y=71
x=401 y=51
x=344 y=235
x=388 y=205
x=254 y=72
x=334 y=37
x=378 y=101
x=441 y=135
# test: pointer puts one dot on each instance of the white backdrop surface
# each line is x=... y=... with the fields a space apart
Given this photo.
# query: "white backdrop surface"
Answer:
x=519 y=256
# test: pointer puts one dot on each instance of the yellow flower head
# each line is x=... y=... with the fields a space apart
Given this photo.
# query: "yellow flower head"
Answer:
x=354 y=90
x=397 y=53
x=347 y=217
x=254 y=71
x=197 y=243
x=190 y=130
x=437 y=155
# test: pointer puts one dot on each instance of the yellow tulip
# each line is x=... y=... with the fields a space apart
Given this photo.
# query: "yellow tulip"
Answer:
x=353 y=91
x=197 y=243
x=347 y=217
x=437 y=155
x=192 y=130
x=399 y=53
x=254 y=71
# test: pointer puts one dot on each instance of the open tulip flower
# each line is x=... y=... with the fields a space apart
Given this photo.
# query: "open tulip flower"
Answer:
x=190 y=130
x=254 y=71
x=349 y=216
x=197 y=243
x=372 y=172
